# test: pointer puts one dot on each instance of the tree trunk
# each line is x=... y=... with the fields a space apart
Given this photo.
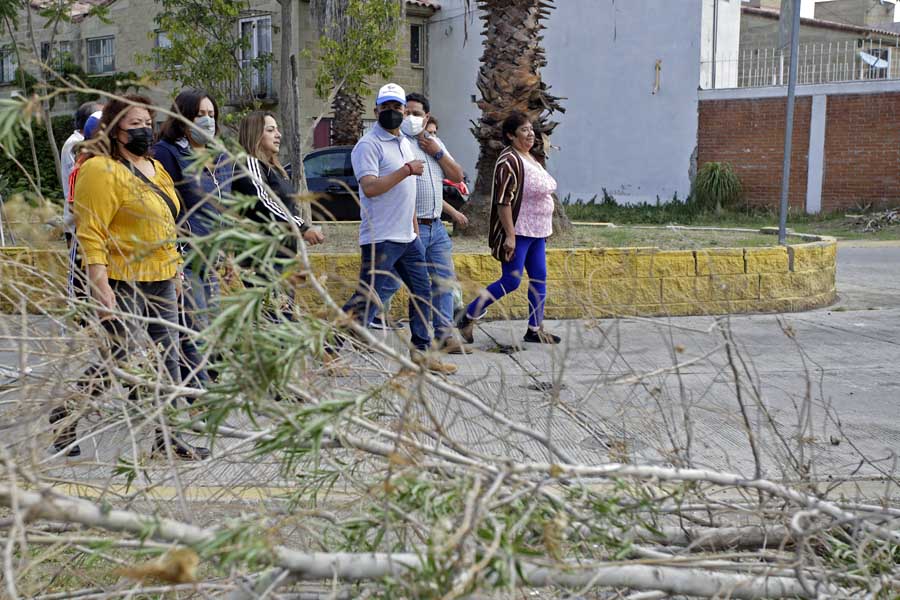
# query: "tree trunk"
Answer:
x=348 y=111
x=45 y=106
x=285 y=89
x=298 y=173
x=509 y=80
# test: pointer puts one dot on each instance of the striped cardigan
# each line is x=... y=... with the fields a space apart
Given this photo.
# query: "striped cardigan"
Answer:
x=506 y=189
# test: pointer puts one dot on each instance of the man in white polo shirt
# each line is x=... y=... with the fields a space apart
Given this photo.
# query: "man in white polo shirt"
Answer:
x=386 y=167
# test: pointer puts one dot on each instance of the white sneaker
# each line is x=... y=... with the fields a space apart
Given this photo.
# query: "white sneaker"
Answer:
x=380 y=324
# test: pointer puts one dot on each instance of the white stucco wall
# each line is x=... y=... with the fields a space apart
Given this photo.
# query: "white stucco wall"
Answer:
x=722 y=17
x=602 y=54
x=450 y=79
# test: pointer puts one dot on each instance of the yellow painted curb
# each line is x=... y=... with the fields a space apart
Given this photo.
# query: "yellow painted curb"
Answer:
x=603 y=282
x=582 y=283
x=167 y=493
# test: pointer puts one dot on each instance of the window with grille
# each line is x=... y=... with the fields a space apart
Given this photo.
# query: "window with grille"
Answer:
x=257 y=31
x=101 y=55
x=417 y=44
x=163 y=42
x=7 y=65
x=62 y=52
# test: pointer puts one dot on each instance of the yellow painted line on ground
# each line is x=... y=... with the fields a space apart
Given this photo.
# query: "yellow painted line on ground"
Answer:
x=192 y=492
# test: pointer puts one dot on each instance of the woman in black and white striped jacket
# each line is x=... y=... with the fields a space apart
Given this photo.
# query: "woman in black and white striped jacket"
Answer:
x=262 y=175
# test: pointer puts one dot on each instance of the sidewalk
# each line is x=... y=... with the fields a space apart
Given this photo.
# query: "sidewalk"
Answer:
x=620 y=395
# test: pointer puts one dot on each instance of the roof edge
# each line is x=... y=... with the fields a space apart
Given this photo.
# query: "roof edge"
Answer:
x=774 y=14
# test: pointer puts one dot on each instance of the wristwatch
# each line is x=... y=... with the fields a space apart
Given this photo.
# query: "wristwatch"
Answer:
x=438 y=156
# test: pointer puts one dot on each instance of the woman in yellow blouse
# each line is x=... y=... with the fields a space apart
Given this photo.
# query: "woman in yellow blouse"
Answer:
x=125 y=213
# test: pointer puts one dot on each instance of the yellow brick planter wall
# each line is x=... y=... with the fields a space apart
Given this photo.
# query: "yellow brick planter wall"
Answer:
x=581 y=283
x=35 y=279
x=640 y=281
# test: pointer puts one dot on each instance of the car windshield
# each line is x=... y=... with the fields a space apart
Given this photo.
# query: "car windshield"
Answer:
x=328 y=164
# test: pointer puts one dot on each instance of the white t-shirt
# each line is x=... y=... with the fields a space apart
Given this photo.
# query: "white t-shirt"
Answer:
x=67 y=163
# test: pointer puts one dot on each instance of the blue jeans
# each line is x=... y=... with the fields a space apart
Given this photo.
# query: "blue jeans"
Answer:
x=379 y=263
x=200 y=302
x=439 y=260
x=530 y=256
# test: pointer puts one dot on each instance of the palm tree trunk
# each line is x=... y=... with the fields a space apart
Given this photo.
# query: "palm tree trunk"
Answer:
x=348 y=111
x=510 y=80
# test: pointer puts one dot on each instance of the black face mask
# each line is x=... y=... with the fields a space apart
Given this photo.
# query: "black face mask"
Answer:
x=390 y=119
x=139 y=140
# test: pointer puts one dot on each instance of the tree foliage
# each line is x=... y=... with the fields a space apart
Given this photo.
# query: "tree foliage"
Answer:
x=358 y=40
x=205 y=46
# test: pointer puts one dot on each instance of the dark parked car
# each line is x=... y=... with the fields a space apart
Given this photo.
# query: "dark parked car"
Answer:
x=329 y=173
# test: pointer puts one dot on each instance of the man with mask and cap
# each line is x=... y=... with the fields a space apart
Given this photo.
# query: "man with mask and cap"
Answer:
x=386 y=167
x=438 y=165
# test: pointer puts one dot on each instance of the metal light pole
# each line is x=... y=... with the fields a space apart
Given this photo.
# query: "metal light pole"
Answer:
x=789 y=131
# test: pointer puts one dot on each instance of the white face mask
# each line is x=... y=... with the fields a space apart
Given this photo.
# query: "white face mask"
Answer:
x=413 y=125
x=205 y=130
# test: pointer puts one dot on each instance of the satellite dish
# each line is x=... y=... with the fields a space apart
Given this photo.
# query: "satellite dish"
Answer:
x=874 y=61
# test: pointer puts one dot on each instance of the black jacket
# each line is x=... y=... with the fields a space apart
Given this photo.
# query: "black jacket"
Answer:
x=267 y=209
x=261 y=179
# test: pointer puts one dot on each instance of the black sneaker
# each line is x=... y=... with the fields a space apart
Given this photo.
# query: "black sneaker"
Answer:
x=466 y=326
x=539 y=336
x=180 y=448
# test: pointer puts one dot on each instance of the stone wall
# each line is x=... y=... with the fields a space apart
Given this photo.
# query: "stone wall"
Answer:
x=595 y=283
x=585 y=283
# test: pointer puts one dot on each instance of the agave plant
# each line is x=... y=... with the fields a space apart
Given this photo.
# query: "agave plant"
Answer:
x=717 y=186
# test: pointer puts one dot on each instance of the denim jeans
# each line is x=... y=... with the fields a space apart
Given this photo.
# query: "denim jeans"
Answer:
x=379 y=263
x=439 y=260
x=153 y=299
x=199 y=303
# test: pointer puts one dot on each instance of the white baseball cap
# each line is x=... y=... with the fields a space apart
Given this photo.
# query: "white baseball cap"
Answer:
x=390 y=92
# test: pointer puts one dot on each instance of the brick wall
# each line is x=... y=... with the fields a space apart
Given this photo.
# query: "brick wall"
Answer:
x=861 y=155
x=749 y=134
x=862 y=151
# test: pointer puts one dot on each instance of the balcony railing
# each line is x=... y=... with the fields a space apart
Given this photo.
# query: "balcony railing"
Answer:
x=253 y=84
x=828 y=62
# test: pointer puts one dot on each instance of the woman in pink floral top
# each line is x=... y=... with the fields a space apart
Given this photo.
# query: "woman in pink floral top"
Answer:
x=521 y=222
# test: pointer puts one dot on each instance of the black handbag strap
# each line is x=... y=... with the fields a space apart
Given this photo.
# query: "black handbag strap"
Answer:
x=159 y=192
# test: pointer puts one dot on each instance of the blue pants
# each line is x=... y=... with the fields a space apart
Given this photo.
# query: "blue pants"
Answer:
x=199 y=303
x=379 y=262
x=439 y=261
x=530 y=256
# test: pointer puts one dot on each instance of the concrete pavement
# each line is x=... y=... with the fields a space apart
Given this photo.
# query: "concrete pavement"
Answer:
x=820 y=392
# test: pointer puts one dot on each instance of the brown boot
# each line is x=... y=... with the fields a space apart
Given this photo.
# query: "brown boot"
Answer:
x=452 y=345
x=427 y=361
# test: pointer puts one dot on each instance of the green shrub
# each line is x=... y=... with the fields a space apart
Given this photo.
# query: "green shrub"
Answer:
x=608 y=210
x=13 y=181
x=716 y=186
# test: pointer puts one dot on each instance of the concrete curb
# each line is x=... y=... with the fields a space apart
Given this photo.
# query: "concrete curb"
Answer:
x=589 y=282
x=606 y=282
